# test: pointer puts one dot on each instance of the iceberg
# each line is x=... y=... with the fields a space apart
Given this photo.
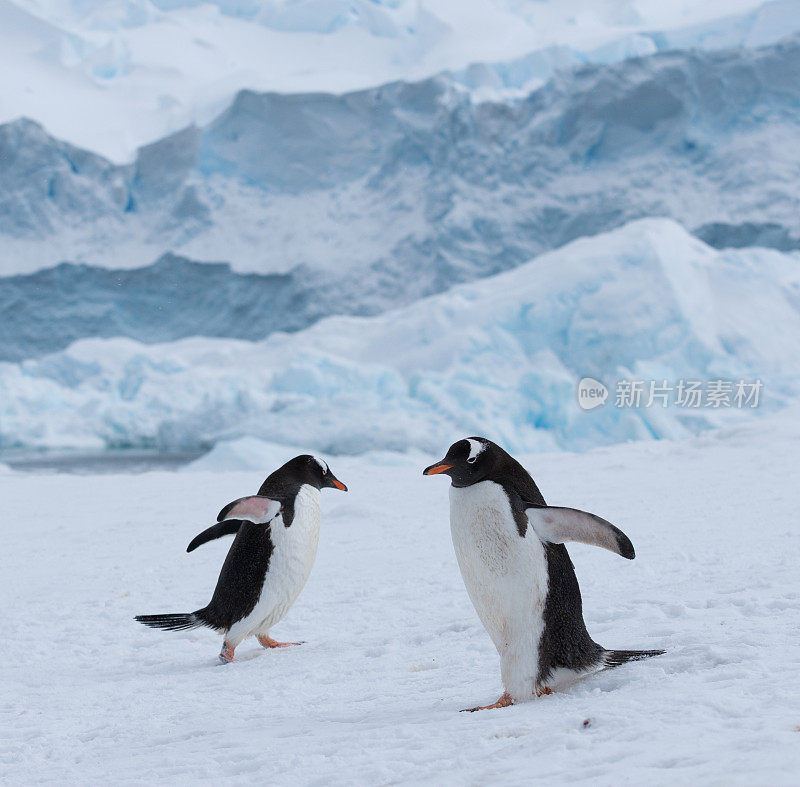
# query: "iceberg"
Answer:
x=501 y=357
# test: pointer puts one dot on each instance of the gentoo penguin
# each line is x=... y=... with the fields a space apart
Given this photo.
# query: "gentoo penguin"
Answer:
x=510 y=548
x=277 y=532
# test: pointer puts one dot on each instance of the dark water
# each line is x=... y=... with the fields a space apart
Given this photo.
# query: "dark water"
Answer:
x=94 y=462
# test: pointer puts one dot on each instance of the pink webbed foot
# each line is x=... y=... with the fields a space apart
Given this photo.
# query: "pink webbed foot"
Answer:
x=503 y=702
x=506 y=700
x=268 y=642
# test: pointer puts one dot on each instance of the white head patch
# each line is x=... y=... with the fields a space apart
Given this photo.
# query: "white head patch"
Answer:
x=322 y=464
x=476 y=447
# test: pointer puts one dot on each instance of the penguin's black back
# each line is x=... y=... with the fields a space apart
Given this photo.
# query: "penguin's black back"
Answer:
x=241 y=578
x=565 y=642
x=247 y=563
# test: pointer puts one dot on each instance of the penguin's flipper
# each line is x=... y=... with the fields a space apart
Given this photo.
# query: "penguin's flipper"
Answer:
x=256 y=508
x=227 y=527
x=557 y=525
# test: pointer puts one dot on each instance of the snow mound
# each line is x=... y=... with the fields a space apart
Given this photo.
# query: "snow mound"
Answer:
x=251 y=453
x=500 y=357
x=246 y=453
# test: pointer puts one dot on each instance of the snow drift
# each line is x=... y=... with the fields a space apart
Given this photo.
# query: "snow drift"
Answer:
x=499 y=357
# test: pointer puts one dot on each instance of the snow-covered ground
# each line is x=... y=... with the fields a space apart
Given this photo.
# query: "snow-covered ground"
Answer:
x=393 y=649
x=140 y=69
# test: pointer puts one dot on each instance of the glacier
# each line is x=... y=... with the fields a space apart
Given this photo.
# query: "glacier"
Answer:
x=170 y=299
x=370 y=200
x=142 y=69
x=499 y=357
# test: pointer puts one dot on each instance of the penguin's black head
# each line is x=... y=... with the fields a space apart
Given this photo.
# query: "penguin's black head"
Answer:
x=467 y=461
x=307 y=469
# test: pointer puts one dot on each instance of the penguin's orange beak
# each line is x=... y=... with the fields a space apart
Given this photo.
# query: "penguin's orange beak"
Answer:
x=436 y=469
x=338 y=484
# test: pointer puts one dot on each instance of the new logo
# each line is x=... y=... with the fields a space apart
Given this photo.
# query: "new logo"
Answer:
x=591 y=393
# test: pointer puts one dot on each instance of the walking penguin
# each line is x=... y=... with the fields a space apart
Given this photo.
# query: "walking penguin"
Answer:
x=277 y=532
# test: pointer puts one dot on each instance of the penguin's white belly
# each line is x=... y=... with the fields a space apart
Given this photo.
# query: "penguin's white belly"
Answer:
x=506 y=579
x=293 y=554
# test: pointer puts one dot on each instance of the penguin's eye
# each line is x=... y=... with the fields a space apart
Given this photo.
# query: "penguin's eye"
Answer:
x=471 y=460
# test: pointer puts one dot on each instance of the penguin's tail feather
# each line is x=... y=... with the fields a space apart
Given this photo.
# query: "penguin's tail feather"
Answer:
x=613 y=658
x=175 y=621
